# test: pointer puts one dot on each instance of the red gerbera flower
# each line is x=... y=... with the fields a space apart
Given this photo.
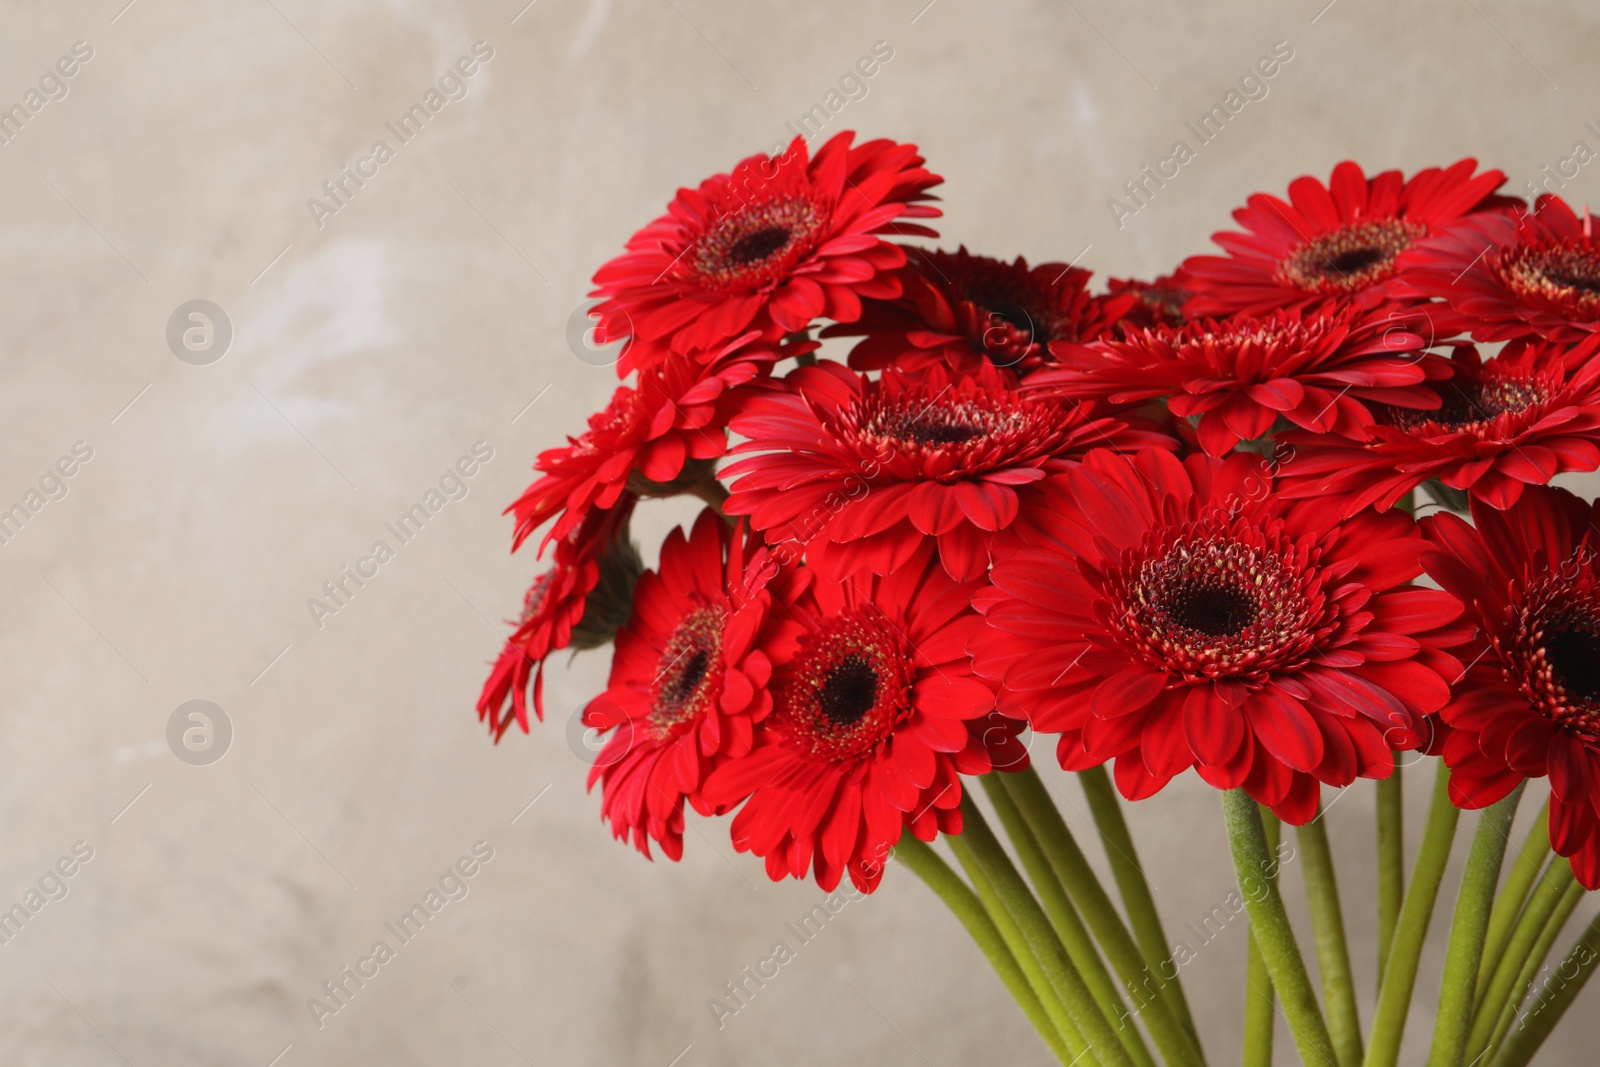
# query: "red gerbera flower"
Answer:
x=1338 y=242
x=1156 y=303
x=780 y=241
x=875 y=717
x=962 y=310
x=1530 y=705
x=1172 y=614
x=642 y=440
x=1537 y=274
x=552 y=612
x=1501 y=424
x=865 y=471
x=688 y=681
x=1317 y=369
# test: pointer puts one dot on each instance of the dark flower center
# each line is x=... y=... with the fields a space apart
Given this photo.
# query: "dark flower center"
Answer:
x=933 y=424
x=1352 y=257
x=681 y=684
x=1574 y=656
x=1162 y=306
x=1562 y=277
x=1470 y=404
x=689 y=670
x=1212 y=609
x=1357 y=259
x=849 y=691
x=755 y=245
x=1014 y=315
x=1550 y=647
x=943 y=434
x=1575 y=281
x=1219 y=598
x=848 y=688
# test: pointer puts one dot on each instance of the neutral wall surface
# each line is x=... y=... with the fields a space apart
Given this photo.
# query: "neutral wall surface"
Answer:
x=373 y=347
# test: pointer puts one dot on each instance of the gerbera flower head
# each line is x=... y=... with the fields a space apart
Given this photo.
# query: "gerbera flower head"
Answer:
x=644 y=441
x=556 y=614
x=864 y=471
x=1536 y=274
x=962 y=310
x=1341 y=242
x=689 y=680
x=768 y=248
x=1318 y=369
x=1156 y=303
x=1501 y=424
x=1530 y=705
x=875 y=717
x=1170 y=614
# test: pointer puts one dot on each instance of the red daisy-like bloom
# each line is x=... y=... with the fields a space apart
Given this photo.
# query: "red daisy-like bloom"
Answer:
x=689 y=680
x=1172 y=614
x=1156 y=303
x=768 y=248
x=876 y=716
x=1530 y=705
x=962 y=310
x=1536 y=274
x=1501 y=424
x=642 y=441
x=552 y=611
x=1340 y=242
x=1317 y=369
x=865 y=471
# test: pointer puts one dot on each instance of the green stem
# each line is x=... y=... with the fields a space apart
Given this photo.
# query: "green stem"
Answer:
x=1259 y=1000
x=1391 y=835
x=1106 y=807
x=1024 y=953
x=1470 y=926
x=1252 y=859
x=1513 y=895
x=1530 y=967
x=1405 y=954
x=1499 y=990
x=1146 y=984
x=948 y=887
x=1065 y=921
x=1391 y=860
x=1030 y=918
x=1553 y=999
x=1333 y=953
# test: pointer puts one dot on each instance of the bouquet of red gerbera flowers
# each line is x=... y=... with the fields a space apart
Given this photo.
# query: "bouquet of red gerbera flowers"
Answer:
x=1175 y=525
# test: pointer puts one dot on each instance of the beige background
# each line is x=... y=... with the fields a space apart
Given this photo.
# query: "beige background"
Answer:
x=424 y=317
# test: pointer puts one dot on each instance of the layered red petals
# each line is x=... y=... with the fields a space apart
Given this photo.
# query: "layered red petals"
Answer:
x=1168 y=615
x=875 y=718
x=689 y=680
x=645 y=436
x=1535 y=274
x=960 y=311
x=1346 y=242
x=863 y=472
x=765 y=250
x=1237 y=377
x=1530 y=705
x=1498 y=426
x=554 y=606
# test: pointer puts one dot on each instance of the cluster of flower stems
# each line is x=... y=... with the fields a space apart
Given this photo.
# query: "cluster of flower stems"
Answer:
x=1081 y=974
